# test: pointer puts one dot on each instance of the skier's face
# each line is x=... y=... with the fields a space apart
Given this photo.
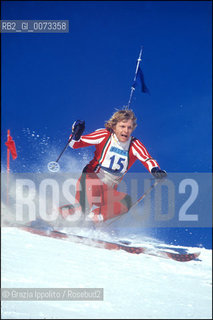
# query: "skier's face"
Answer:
x=123 y=130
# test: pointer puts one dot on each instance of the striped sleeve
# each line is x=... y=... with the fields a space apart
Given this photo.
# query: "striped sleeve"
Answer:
x=140 y=152
x=91 y=139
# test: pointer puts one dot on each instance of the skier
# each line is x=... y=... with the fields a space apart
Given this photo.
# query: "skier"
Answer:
x=116 y=151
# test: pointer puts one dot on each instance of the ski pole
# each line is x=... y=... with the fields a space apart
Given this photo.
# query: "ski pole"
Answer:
x=139 y=200
x=146 y=193
x=53 y=166
x=134 y=82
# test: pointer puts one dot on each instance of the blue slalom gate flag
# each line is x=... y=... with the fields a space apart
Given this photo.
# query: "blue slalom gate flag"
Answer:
x=140 y=76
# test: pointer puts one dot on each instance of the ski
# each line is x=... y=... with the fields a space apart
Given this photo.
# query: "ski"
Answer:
x=182 y=257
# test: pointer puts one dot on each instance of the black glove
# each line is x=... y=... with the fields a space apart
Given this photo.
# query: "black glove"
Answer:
x=158 y=173
x=77 y=129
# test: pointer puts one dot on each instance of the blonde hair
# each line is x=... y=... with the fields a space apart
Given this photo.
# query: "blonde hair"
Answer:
x=121 y=115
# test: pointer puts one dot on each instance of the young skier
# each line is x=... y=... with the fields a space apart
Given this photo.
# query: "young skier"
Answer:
x=116 y=151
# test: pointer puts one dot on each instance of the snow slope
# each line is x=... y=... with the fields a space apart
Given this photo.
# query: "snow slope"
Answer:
x=135 y=286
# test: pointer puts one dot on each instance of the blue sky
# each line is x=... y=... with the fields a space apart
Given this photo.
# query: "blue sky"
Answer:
x=50 y=80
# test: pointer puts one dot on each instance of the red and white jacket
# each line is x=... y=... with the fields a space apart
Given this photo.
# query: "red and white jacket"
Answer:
x=112 y=158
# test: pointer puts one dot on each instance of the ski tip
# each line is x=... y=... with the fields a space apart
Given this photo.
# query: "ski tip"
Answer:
x=183 y=257
x=196 y=254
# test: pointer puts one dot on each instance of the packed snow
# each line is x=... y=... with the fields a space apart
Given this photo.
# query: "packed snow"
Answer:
x=135 y=286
